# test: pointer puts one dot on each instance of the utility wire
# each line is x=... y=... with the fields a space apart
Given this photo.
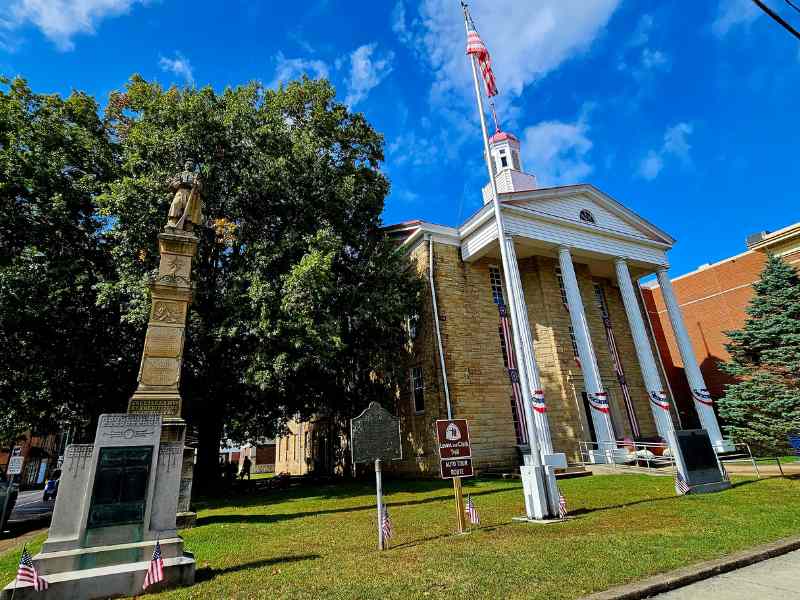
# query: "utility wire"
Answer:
x=777 y=18
x=793 y=5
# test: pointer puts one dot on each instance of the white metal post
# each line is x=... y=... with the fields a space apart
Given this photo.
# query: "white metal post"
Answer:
x=536 y=485
x=379 y=494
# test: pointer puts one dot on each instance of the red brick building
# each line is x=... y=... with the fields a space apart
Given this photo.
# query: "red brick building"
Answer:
x=713 y=299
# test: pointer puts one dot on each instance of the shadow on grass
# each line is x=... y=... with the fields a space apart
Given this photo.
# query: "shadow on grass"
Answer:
x=207 y=573
x=585 y=511
x=261 y=518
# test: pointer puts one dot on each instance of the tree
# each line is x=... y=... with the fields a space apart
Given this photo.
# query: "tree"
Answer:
x=300 y=299
x=764 y=407
x=63 y=355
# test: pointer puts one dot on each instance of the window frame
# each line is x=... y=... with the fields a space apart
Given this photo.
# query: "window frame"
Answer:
x=417 y=376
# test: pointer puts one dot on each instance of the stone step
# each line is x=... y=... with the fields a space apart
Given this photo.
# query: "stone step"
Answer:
x=82 y=559
x=105 y=582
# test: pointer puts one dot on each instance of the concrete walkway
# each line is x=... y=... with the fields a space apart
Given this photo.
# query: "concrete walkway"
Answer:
x=774 y=579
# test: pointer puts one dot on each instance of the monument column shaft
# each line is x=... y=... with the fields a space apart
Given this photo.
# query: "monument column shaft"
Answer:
x=702 y=401
x=528 y=358
x=644 y=353
x=591 y=373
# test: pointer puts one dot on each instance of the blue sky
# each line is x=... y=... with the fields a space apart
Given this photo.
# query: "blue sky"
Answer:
x=686 y=112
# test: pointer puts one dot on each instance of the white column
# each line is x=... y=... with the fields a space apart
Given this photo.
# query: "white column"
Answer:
x=598 y=399
x=702 y=400
x=659 y=403
x=528 y=359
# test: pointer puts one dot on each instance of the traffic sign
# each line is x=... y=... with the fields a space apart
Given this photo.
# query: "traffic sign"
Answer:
x=15 y=465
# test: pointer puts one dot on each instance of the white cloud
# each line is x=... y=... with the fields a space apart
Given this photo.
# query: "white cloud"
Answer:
x=641 y=35
x=179 y=65
x=654 y=59
x=676 y=141
x=558 y=152
x=525 y=44
x=60 y=20
x=366 y=72
x=288 y=69
x=651 y=165
x=676 y=144
x=732 y=13
x=399 y=22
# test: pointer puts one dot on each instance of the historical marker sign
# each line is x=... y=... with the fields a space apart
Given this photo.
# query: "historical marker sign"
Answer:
x=453 y=438
x=375 y=435
x=455 y=452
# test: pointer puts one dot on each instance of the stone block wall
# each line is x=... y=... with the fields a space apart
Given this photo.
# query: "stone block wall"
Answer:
x=480 y=389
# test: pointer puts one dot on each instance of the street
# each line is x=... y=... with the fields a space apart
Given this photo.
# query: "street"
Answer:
x=29 y=507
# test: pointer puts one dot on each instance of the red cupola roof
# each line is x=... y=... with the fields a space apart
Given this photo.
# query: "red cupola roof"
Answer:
x=502 y=136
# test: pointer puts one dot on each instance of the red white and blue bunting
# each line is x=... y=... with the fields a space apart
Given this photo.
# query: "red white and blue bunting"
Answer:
x=538 y=403
x=660 y=400
x=599 y=402
x=703 y=397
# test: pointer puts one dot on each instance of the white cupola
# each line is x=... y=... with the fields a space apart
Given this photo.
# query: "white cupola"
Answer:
x=507 y=166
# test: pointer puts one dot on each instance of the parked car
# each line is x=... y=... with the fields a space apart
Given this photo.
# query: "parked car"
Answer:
x=51 y=486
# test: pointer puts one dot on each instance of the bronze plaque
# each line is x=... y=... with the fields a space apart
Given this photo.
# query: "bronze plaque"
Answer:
x=375 y=434
x=119 y=494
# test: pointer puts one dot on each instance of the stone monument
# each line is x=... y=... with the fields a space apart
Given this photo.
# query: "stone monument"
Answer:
x=120 y=495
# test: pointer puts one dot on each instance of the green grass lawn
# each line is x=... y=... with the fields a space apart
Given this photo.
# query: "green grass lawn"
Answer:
x=320 y=542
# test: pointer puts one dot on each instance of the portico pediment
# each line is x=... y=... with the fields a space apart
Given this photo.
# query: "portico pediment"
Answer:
x=570 y=203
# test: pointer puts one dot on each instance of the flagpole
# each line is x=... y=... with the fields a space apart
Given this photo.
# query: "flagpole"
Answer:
x=533 y=439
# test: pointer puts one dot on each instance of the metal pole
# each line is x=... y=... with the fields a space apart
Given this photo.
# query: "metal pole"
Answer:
x=379 y=494
x=438 y=330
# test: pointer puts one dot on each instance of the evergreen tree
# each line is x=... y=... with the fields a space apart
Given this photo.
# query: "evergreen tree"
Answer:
x=764 y=406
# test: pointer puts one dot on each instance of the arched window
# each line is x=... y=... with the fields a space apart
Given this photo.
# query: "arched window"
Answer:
x=587 y=217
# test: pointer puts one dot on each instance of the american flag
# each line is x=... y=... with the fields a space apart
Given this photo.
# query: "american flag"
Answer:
x=562 y=506
x=155 y=572
x=26 y=572
x=681 y=487
x=386 y=525
x=472 y=512
x=476 y=47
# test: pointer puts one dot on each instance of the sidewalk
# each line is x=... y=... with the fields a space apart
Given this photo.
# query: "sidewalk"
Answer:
x=774 y=579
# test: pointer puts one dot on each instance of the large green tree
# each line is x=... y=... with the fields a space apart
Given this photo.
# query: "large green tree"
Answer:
x=63 y=355
x=764 y=406
x=300 y=299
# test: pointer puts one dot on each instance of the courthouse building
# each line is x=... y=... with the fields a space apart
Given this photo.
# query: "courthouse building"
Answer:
x=577 y=255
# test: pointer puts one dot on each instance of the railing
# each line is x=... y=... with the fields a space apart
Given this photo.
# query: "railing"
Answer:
x=627 y=455
x=742 y=453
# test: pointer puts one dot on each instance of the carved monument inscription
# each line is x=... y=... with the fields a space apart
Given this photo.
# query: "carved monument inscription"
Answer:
x=160 y=371
x=164 y=342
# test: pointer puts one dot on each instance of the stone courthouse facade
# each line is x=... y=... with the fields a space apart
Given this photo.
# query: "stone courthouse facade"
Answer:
x=578 y=255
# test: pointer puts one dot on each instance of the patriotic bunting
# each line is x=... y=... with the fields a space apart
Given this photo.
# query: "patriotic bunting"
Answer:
x=703 y=397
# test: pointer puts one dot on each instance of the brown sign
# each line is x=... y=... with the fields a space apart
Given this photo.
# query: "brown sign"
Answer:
x=453 y=438
x=456 y=467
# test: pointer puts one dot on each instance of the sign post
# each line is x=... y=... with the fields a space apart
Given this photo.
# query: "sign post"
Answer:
x=455 y=456
x=375 y=436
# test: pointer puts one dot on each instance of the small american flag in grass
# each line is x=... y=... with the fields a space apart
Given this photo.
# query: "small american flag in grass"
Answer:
x=472 y=512
x=562 y=506
x=155 y=572
x=386 y=525
x=681 y=487
x=26 y=572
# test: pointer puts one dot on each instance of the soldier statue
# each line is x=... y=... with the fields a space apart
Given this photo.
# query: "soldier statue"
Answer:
x=186 y=209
